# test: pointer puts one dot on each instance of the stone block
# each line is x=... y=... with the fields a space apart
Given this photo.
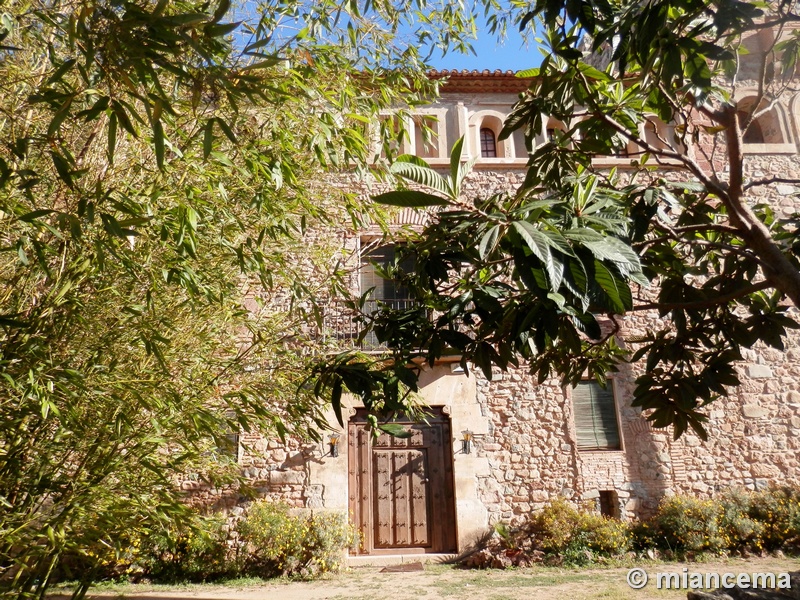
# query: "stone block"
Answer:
x=758 y=372
x=539 y=496
x=754 y=411
x=286 y=477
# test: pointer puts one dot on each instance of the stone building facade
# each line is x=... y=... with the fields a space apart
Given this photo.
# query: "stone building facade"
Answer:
x=436 y=492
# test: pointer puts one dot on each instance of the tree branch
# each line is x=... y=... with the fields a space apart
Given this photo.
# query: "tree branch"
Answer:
x=674 y=233
x=770 y=181
x=710 y=303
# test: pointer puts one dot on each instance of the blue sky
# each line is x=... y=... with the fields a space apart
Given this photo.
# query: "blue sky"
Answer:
x=511 y=54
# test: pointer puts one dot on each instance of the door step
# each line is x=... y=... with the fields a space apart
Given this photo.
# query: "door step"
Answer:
x=396 y=559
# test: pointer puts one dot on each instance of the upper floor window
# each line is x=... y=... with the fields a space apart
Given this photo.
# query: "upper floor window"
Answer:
x=596 y=424
x=386 y=292
x=657 y=134
x=390 y=291
x=488 y=143
x=426 y=136
x=767 y=128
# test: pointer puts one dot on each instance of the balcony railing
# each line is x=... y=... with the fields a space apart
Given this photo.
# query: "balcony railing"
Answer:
x=342 y=326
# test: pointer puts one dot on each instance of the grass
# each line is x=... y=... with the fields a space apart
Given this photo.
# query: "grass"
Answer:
x=123 y=588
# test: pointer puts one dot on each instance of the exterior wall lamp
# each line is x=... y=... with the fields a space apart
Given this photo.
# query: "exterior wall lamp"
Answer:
x=466 y=441
x=333 y=443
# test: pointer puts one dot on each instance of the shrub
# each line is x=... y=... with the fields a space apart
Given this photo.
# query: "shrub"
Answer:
x=739 y=529
x=197 y=551
x=276 y=542
x=737 y=520
x=577 y=535
x=778 y=509
x=685 y=523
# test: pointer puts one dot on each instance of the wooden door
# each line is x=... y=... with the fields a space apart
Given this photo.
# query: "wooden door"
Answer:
x=401 y=489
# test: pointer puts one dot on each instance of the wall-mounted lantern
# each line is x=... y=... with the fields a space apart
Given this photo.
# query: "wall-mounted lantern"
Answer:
x=466 y=441
x=333 y=443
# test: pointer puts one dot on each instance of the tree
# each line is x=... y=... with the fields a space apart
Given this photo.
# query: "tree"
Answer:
x=158 y=162
x=543 y=274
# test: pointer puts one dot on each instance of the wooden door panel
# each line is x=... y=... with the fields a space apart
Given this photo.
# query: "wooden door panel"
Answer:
x=400 y=507
x=420 y=499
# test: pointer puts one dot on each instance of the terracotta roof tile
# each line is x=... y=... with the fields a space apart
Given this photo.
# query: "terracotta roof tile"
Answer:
x=480 y=81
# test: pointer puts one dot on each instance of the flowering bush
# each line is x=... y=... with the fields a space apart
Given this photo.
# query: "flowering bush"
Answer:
x=276 y=542
x=740 y=530
x=578 y=535
x=560 y=533
x=737 y=520
x=685 y=523
x=778 y=510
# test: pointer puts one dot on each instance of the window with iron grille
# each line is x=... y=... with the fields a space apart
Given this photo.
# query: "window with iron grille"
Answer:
x=488 y=143
x=595 y=411
x=385 y=290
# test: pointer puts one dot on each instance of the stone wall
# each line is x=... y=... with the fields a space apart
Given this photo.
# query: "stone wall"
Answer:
x=525 y=449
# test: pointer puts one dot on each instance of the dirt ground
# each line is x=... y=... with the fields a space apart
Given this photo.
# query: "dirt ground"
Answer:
x=437 y=582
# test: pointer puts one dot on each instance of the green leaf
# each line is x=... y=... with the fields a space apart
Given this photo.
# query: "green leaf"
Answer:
x=32 y=216
x=419 y=172
x=489 y=242
x=410 y=199
x=221 y=29
x=336 y=400
x=455 y=158
x=10 y=321
x=123 y=118
x=58 y=118
x=528 y=73
x=264 y=64
x=221 y=10
x=226 y=130
x=396 y=430
x=208 y=138
x=540 y=244
x=61 y=70
x=63 y=168
x=158 y=141
x=616 y=290
x=112 y=137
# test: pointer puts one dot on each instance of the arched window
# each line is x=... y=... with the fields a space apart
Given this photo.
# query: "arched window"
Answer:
x=753 y=134
x=657 y=134
x=768 y=128
x=488 y=143
x=555 y=130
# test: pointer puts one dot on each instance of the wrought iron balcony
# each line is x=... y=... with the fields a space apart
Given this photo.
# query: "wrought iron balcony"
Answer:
x=342 y=326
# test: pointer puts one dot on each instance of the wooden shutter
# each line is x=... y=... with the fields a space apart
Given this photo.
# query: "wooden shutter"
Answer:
x=595 y=416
